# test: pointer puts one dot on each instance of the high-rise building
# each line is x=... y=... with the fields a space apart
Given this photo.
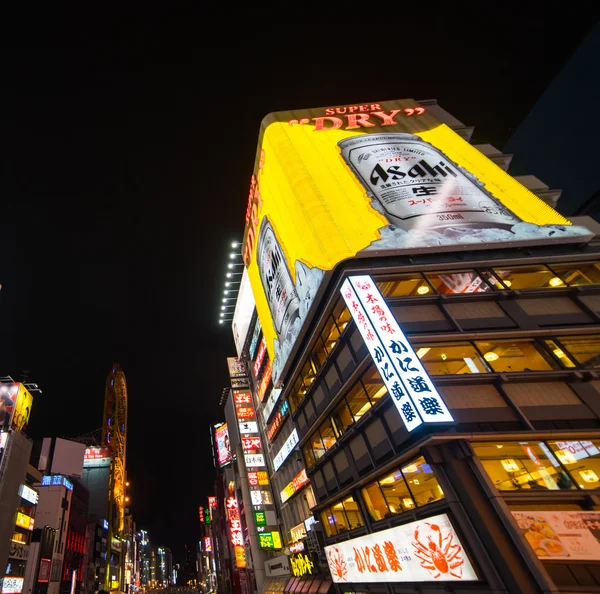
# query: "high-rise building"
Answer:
x=422 y=347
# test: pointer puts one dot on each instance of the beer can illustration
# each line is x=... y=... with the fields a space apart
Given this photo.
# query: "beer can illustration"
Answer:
x=277 y=282
x=416 y=186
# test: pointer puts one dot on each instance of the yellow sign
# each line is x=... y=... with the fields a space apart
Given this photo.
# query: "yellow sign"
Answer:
x=301 y=565
x=366 y=180
x=240 y=556
x=20 y=416
x=298 y=532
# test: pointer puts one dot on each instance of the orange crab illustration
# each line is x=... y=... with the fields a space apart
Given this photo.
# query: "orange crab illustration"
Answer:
x=337 y=564
x=439 y=557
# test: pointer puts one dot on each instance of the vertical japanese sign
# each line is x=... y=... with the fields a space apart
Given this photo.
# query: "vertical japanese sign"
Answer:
x=235 y=530
x=405 y=378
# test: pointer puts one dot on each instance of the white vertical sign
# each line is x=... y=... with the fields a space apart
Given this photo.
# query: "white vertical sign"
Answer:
x=395 y=358
x=403 y=403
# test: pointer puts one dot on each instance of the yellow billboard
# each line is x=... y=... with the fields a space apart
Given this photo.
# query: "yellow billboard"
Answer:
x=15 y=406
x=370 y=180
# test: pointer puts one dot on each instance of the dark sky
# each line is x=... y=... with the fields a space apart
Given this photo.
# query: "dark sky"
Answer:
x=126 y=157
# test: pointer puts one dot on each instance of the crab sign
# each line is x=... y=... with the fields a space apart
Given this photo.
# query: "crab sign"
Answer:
x=441 y=557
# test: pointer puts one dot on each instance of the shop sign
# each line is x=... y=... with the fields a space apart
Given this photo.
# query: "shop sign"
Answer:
x=25 y=521
x=207 y=516
x=18 y=551
x=277 y=567
x=236 y=366
x=297 y=547
x=405 y=378
x=244 y=412
x=240 y=556
x=235 y=531
x=427 y=550
x=260 y=518
x=208 y=544
x=576 y=450
x=254 y=339
x=286 y=493
x=290 y=443
x=277 y=420
x=240 y=382
x=298 y=532
x=44 y=573
x=302 y=565
x=254 y=460
x=260 y=357
x=269 y=540
x=561 y=535
x=12 y=585
x=57 y=479
x=201 y=514
x=271 y=402
x=242 y=398
x=29 y=494
x=309 y=522
x=248 y=427
x=264 y=382
x=261 y=497
x=249 y=444
x=259 y=478
x=212 y=502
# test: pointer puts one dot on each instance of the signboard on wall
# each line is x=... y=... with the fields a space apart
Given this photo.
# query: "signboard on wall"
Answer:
x=15 y=406
x=405 y=378
x=362 y=180
x=403 y=554
x=96 y=457
x=223 y=448
x=242 y=315
x=559 y=535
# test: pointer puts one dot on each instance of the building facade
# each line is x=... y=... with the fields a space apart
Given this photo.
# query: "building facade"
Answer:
x=498 y=335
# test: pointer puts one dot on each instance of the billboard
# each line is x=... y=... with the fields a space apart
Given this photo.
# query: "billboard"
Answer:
x=15 y=406
x=96 y=456
x=422 y=551
x=223 y=448
x=236 y=366
x=370 y=180
x=561 y=535
x=242 y=315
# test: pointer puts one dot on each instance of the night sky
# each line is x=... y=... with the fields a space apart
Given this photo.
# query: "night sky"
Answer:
x=126 y=158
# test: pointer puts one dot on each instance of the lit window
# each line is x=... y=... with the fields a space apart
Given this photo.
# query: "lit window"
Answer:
x=515 y=466
x=575 y=275
x=463 y=281
x=529 y=277
x=422 y=482
x=584 y=349
x=404 y=285
x=453 y=358
x=581 y=459
x=516 y=355
x=559 y=354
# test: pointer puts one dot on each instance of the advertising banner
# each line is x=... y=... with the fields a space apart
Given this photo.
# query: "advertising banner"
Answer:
x=369 y=180
x=242 y=315
x=422 y=551
x=223 y=448
x=15 y=406
x=561 y=534
x=236 y=366
x=96 y=456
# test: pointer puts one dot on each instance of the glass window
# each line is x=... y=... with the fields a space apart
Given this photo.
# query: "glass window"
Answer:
x=376 y=502
x=341 y=314
x=340 y=521
x=514 y=466
x=319 y=354
x=373 y=384
x=584 y=349
x=358 y=401
x=559 y=353
x=516 y=355
x=330 y=335
x=581 y=459
x=307 y=376
x=464 y=281
x=327 y=434
x=403 y=285
x=309 y=456
x=452 y=358
x=352 y=513
x=342 y=418
x=317 y=445
x=328 y=522
x=575 y=275
x=396 y=493
x=528 y=277
x=422 y=482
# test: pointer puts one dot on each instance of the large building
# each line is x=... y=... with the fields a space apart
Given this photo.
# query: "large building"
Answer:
x=422 y=335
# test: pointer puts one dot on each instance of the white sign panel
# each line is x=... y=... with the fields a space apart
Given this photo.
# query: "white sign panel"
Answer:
x=424 y=551
x=12 y=585
x=254 y=460
x=248 y=427
x=286 y=449
x=401 y=370
x=29 y=494
x=577 y=449
x=270 y=403
x=244 y=308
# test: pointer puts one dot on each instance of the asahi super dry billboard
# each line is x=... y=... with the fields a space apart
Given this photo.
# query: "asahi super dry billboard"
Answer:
x=370 y=180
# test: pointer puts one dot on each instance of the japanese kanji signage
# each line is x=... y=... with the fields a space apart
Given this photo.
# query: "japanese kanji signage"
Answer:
x=269 y=540
x=254 y=460
x=201 y=514
x=423 y=551
x=236 y=366
x=296 y=484
x=259 y=478
x=405 y=378
x=302 y=564
x=248 y=427
x=250 y=444
x=260 y=518
x=208 y=544
x=286 y=449
x=235 y=530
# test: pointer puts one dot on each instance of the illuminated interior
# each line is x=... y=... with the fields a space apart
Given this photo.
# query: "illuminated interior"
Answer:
x=515 y=355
